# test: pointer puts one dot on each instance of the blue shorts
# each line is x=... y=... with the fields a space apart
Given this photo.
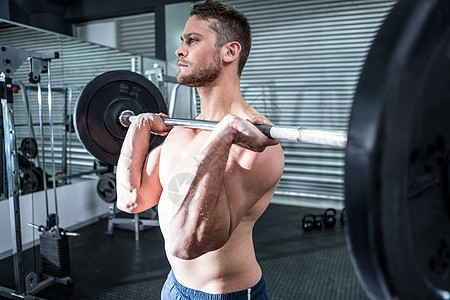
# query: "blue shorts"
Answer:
x=173 y=290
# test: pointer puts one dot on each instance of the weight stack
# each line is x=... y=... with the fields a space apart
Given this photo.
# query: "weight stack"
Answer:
x=55 y=259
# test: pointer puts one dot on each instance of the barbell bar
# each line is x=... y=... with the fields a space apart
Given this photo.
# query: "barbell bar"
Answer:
x=330 y=138
x=109 y=103
x=397 y=154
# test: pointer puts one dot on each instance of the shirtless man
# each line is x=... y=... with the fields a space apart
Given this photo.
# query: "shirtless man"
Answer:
x=211 y=186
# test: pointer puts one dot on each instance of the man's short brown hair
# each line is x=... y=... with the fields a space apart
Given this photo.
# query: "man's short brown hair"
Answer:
x=229 y=24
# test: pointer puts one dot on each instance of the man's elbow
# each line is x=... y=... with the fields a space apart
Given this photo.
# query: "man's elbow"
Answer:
x=125 y=206
x=186 y=253
x=192 y=248
x=127 y=202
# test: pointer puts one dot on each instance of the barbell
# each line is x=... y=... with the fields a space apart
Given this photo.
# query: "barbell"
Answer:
x=397 y=165
x=301 y=134
x=110 y=102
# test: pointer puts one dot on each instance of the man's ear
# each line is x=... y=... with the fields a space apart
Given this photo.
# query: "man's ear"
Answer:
x=231 y=51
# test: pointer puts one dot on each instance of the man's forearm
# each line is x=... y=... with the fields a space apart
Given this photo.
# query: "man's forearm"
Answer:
x=131 y=163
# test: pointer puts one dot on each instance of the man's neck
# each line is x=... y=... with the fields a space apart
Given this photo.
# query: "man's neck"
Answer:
x=219 y=99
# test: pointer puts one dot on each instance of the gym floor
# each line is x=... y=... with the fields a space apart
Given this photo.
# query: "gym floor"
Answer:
x=296 y=264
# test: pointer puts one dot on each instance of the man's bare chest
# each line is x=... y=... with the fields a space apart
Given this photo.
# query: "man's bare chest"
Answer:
x=181 y=150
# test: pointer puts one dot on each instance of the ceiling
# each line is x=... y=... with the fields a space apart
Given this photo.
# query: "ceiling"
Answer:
x=60 y=15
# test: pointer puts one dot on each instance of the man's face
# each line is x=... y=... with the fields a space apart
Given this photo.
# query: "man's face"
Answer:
x=199 y=61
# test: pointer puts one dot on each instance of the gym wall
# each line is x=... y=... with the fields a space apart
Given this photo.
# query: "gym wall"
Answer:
x=303 y=69
x=134 y=34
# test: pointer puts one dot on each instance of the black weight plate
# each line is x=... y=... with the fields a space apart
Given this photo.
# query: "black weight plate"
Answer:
x=96 y=115
x=397 y=161
x=28 y=146
x=32 y=180
x=106 y=187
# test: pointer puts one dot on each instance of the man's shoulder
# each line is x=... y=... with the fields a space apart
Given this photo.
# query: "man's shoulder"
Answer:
x=249 y=112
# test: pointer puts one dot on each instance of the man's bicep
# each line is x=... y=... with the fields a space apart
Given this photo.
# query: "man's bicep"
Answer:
x=266 y=170
x=255 y=181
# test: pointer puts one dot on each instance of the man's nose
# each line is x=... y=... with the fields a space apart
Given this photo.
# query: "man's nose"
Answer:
x=181 y=51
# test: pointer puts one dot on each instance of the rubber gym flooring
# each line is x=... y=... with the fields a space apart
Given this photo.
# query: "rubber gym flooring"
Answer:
x=296 y=264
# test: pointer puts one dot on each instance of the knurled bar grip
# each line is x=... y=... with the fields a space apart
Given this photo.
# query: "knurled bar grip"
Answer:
x=303 y=135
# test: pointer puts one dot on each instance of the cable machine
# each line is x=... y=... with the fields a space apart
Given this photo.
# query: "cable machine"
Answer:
x=54 y=247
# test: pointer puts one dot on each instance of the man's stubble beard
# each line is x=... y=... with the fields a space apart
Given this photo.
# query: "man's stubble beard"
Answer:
x=203 y=74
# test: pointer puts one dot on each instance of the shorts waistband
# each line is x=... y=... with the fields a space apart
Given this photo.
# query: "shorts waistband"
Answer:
x=251 y=293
